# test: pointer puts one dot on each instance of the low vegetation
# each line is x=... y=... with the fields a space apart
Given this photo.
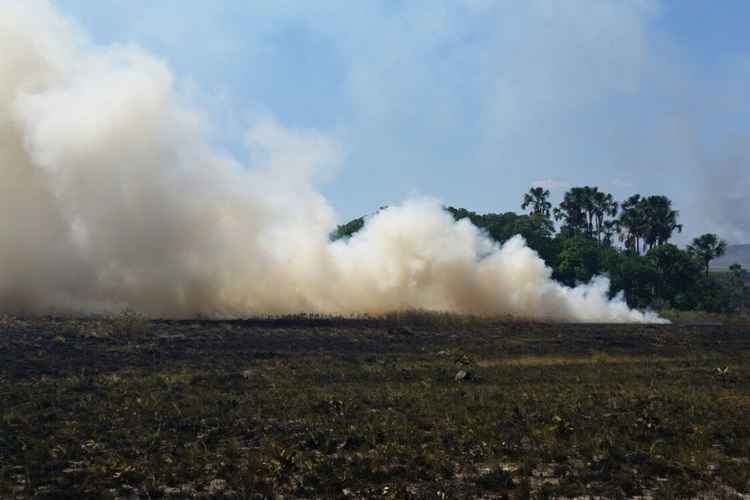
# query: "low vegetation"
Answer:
x=409 y=406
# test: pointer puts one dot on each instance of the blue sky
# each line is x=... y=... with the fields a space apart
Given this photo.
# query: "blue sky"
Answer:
x=472 y=101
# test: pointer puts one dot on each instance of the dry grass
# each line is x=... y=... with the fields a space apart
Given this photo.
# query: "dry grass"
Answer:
x=598 y=358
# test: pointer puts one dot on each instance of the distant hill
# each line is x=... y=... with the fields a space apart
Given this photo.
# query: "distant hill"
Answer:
x=736 y=254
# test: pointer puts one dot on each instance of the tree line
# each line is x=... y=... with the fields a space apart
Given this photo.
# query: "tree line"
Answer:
x=590 y=233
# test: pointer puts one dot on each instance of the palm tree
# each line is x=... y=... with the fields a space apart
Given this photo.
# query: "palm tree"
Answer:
x=706 y=248
x=572 y=210
x=632 y=223
x=604 y=206
x=538 y=199
x=660 y=220
x=610 y=229
x=647 y=222
x=587 y=210
x=588 y=195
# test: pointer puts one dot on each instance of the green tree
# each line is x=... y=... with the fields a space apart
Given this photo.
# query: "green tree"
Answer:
x=647 y=222
x=632 y=223
x=738 y=271
x=348 y=229
x=724 y=292
x=632 y=274
x=538 y=199
x=610 y=229
x=706 y=248
x=678 y=282
x=740 y=292
x=572 y=210
x=660 y=221
x=588 y=211
x=604 y=208
x=580 y=260
x=536 y=229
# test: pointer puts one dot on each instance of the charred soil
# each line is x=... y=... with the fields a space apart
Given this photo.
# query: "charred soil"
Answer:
x=414 y=407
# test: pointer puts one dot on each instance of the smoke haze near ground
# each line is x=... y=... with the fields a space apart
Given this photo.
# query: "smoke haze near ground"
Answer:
x=112 y=197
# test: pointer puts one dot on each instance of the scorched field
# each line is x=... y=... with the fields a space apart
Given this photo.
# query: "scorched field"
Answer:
x=414 y=406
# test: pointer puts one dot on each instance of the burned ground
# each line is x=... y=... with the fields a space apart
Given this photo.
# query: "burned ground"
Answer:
x=416 y=407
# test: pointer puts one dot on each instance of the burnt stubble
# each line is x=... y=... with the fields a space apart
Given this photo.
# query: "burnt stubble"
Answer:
x=409 y=406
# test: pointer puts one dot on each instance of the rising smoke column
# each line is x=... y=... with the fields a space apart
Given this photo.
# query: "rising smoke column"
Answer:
x=112 y=197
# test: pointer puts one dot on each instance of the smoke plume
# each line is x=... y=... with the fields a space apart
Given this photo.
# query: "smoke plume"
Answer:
x=113 y=197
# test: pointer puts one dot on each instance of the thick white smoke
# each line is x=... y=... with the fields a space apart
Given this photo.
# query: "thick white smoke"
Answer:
x=112 y=197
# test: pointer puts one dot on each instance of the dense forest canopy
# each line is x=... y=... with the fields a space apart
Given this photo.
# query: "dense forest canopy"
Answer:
x=590 y=233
